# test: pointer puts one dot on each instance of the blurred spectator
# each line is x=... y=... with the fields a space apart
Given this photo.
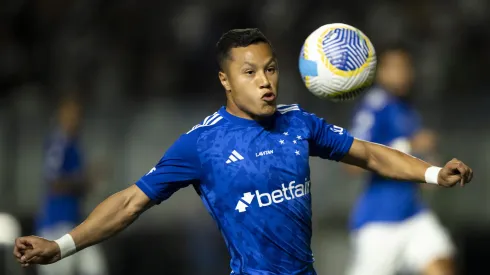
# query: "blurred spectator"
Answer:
x=392 y=229
x=66 y=184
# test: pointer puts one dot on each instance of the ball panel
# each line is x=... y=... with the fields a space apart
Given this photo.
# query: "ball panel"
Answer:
x=344 y=49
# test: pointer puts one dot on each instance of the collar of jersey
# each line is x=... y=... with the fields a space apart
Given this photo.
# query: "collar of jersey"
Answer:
x=247 y=122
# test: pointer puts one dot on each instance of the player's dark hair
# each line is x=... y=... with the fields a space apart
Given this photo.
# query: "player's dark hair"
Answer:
x=237 y=38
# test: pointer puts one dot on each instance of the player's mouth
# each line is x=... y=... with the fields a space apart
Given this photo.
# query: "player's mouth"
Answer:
x=269 y=97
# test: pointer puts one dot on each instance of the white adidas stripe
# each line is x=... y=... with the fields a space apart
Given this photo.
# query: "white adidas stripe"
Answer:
x=208 y=121
x=214 y=121
x=236 y=155
x=209 y=118
x=293 y=108
x=284 y=106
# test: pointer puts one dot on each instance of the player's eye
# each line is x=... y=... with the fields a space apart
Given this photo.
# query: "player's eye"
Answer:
x=271 y=70
x=249 y=72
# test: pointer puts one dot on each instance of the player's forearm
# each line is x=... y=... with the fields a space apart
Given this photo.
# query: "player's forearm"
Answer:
x=387 y=162
x=394 y=164
x=110 y=217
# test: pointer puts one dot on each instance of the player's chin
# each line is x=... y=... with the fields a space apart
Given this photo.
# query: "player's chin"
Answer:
x=267 y=109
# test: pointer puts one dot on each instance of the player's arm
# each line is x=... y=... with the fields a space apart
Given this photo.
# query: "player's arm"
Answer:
x=110 y=217
x=423 y=145
x=178 y=168
x=394 y=164
x=363 y=127
x=335 y=143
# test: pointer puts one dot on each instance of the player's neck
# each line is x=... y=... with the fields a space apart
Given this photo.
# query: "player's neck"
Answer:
x=233 y=109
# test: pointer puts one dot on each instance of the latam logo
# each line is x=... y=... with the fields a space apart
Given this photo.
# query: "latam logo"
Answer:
x=293 y=191
x=264 y=153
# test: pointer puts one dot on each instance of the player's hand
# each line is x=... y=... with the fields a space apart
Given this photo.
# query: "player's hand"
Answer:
x=453 y=172
x=35 y=250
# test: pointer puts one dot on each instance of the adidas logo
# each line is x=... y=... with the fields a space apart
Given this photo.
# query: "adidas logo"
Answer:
x=234 y=157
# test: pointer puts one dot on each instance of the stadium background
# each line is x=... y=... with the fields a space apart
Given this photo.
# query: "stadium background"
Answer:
x=147 y=74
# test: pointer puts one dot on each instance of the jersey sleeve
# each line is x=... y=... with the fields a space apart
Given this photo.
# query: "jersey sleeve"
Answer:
x=178 y=168
x=327 y=141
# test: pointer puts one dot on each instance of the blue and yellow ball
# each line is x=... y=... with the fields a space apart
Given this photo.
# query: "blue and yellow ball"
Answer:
x=337 y=62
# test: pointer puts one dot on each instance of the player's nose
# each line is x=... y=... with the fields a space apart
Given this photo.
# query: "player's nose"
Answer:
x=264 y=81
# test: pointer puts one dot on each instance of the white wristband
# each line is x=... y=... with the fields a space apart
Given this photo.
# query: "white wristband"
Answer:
x=432 y=174
x=67 y=246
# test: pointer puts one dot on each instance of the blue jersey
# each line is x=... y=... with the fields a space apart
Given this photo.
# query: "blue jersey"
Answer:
x=62 y=161
x=385 y=119
x=254 y=179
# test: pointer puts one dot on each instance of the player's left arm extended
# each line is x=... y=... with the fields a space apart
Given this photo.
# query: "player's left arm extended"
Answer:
x=394 y=164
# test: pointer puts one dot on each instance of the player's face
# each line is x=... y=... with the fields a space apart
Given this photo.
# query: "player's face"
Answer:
x=250 y=80
x=396 y=72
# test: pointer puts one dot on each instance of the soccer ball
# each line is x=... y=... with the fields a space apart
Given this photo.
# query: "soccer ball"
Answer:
x=337 y=62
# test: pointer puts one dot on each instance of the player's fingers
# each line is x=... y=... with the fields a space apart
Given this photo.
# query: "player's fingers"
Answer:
x=34 y=260
x=17 y=253
x=461 y=169
x=21 y=243
x=452 y=166
x=467 y=175
x=470 y=175
x=453 y=162
x=18 y=258
x=29 y=254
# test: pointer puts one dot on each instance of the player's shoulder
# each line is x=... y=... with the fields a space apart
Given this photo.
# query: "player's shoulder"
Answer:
x=189 y=139
x=287 y=108
x=293 y=111
x=290 y=110
x=208 y=123
x=296 y=116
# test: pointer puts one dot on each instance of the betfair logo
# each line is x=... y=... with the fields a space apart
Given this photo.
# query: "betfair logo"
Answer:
x=293 y=191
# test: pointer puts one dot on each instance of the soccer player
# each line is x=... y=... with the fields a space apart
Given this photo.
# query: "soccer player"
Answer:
x=392 y=230
x=249 y=164
x=66 y=184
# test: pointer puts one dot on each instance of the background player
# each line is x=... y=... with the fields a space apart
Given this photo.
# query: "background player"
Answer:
x=66 y=183
x=392 y=229
x=249 y=162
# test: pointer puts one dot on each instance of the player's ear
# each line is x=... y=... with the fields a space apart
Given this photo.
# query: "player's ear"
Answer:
x=223 y=78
